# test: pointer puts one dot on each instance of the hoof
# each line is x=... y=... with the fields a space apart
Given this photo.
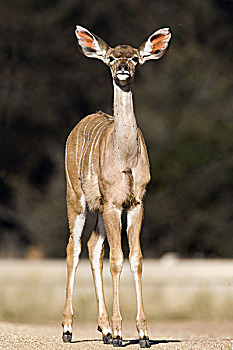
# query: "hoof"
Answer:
x=144 y=343
x=67 y=337
x=107 y=339
x=117 y=342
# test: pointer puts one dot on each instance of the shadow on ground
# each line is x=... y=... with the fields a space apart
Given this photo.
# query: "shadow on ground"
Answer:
x=131 y=342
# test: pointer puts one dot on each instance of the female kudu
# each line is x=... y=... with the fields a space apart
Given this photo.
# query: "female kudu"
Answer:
x=107 y=169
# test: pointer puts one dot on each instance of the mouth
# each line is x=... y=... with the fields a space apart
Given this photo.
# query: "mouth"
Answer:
x=122 y=76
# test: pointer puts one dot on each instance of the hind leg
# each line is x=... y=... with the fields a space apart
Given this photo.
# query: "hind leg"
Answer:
x=96 y=254
x=76 y=215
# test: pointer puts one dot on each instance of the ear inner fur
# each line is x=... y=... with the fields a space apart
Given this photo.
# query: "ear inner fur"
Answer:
x=159 y=42
x=86 y=39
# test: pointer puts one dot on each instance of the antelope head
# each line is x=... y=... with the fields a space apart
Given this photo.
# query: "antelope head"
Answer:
x=123 y=59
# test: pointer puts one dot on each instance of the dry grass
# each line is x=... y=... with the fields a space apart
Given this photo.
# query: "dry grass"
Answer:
x=34 y=291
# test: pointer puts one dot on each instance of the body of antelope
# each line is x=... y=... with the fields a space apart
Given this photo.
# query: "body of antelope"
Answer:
x=107 y=170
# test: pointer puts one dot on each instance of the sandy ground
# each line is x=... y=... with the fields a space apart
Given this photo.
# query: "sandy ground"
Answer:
x=163 y=335
x=34 y=291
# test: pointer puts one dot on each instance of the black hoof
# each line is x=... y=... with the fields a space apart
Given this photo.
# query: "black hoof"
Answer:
x=67 y=337
x=107 y=339
x=117 y=342
x=144 y=343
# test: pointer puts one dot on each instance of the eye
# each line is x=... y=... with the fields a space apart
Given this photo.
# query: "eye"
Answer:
x=111 y=59
x=135 y=59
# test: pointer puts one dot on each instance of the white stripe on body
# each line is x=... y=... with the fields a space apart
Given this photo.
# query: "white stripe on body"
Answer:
x=109 y=121
x=66 y=169
x=76 y=150
x=90 y=163
x=84 y=140
x=87 y=145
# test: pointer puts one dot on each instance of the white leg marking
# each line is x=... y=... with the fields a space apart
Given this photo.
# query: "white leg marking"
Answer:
x=117 y=332
x=135 y=275
x=77 y=232
x=133 y=266
x=67 y=328
x=106 y=330
x=134 y=182
x=131 y=216
x=96 y=264
x=119 y=212
x=120 y=264
x=143 y=333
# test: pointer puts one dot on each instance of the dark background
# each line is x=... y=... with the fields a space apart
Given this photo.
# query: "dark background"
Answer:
x=183 y=105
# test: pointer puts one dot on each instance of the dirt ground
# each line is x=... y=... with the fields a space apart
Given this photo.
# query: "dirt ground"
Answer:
x=32 y=293
x=164 y=336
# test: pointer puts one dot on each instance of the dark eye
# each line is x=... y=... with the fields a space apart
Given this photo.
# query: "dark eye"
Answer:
x=111 y=59
x=135 y=59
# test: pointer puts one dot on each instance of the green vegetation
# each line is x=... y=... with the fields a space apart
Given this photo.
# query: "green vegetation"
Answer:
x=183 y=105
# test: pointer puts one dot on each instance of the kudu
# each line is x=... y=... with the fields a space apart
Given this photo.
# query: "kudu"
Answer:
x=107 y=169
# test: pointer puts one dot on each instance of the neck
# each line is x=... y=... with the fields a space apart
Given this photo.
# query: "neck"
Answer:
x=126 y=134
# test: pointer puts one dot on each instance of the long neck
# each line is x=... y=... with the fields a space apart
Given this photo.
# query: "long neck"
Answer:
x=126 y=134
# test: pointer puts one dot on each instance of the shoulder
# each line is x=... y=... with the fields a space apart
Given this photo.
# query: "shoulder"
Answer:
x=90 y=122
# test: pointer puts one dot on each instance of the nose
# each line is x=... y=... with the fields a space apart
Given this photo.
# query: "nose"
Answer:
x=123 y=67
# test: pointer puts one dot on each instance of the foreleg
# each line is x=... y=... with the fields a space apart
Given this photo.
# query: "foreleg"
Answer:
x=134 y=221
x=96 y=254
x=112 y=221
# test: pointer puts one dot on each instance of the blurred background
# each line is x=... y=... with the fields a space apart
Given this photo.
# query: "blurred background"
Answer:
x=183 y=105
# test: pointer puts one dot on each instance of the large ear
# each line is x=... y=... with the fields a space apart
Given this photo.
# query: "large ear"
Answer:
x=155 y=46
x=90 y=45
